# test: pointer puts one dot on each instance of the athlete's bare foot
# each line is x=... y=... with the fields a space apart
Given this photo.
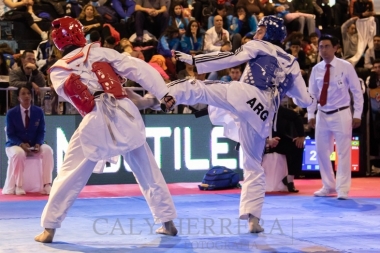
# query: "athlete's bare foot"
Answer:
x=254 y=226
x=167 y=228
x=46 y=236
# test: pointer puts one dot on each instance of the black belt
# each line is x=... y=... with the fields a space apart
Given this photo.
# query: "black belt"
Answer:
x=98 y=93
x=337 y=110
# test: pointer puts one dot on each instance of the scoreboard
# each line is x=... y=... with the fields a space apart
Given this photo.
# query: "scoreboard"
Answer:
x=310 y=161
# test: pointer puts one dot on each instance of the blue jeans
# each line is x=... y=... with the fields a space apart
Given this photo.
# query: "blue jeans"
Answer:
x=119 y=8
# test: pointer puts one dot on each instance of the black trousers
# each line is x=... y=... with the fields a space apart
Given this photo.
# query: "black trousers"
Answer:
x=155 y=25
x=18 y=15
x=340 y=13
x=294 y=155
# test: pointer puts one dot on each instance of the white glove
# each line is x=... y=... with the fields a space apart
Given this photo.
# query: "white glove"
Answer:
x=189 y=59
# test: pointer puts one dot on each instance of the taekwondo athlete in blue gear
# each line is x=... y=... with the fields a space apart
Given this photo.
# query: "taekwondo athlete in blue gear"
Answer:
x=246 y=108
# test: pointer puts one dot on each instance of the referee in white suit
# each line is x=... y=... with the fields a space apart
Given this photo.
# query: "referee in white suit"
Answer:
x=330 y=82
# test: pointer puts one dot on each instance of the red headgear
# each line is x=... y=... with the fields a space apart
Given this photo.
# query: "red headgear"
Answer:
x=67 y=31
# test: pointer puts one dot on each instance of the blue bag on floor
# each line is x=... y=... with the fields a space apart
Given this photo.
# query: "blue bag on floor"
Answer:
x=219 y=177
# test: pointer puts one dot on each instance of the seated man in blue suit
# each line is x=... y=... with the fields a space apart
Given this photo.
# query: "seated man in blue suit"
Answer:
x=25 y=125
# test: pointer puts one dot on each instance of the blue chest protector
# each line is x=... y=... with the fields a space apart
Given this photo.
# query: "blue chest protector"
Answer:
x=264 y=72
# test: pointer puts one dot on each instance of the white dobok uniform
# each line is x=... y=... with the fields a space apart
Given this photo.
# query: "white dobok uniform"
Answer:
x=93 y=140
x=245 y=110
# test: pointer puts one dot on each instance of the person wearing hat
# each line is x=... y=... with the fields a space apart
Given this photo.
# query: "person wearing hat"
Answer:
x=246 y=108
x=158 y=62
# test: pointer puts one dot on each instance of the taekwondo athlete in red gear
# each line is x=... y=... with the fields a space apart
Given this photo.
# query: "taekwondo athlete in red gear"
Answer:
x=87 y=77
x=249 y=104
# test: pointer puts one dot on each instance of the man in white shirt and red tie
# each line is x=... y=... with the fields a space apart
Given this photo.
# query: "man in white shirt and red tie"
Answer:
x=330 y=82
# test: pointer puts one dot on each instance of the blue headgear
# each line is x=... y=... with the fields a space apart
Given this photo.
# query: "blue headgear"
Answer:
x=276 y=30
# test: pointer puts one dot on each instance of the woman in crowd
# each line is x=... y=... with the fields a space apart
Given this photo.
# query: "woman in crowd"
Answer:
x=91 y=20
x=243 y=25
x=167 y=43
x=192 y=41
x=176 y=18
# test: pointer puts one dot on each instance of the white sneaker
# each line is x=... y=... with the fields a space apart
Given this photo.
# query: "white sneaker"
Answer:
x=46 y=190
x=44 y=36
x=342 y=195
x=35 y=18
x=323 y=192
x=20 y=191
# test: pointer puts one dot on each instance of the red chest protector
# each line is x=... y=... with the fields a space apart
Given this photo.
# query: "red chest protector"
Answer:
x=82 y=97
x=79 y=94
x=108 y=79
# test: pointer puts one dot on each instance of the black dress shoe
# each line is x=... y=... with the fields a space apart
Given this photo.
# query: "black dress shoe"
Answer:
x=285 y=181
x=291 y=187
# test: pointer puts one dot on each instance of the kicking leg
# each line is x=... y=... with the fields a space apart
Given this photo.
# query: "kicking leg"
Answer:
x=193 y=91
